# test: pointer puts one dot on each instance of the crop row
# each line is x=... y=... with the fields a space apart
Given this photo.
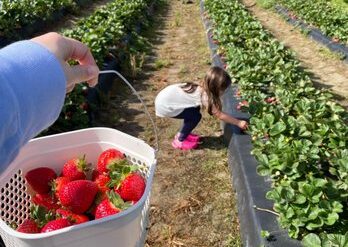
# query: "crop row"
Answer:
x=16 y=14
x=299 y=134
x=104 y=33
x=332 y=21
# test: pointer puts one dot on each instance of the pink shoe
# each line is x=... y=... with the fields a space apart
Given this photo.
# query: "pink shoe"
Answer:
x=184 y=145
x=191 y=137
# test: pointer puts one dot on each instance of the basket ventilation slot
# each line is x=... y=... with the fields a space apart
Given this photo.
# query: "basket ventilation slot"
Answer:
x=15 y=201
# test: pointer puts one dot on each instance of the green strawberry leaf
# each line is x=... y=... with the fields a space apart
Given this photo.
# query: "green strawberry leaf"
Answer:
x=311 y=240
x=278 y=128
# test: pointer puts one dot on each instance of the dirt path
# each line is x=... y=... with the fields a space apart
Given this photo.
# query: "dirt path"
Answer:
x=192 y=201
x=326 y=70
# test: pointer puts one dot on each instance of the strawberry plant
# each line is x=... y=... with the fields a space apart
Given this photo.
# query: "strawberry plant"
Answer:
x=299 y=134
x=104 y=33
x=332 y=21
x=17 y=14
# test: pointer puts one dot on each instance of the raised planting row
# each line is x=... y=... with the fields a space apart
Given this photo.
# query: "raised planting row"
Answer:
x=331 y=20
x=104 y=32
x=299 y=134
x=16 y=14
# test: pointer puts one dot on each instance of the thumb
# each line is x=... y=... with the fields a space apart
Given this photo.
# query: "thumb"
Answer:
x=81 y=73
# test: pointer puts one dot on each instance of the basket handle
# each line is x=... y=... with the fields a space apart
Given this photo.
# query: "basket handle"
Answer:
x=140 y=99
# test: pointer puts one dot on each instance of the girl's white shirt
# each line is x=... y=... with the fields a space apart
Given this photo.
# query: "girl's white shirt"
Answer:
x=173 y=100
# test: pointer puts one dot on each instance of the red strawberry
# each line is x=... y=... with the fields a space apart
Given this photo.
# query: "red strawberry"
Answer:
x=245 y=103
x=101 y=181
x=39 y=179
x=132 y=187
x=84 y=106
x=58 y=184
x=45 y=200
x=75 y=218
x=95 y=174
x=270 y=100
x=113 y=204
x=78 y=195
x=75 y=168
x=106 y=159
x=55 y=225
x=28 y=226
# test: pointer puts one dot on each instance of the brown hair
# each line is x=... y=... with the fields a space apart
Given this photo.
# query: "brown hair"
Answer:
x=215 y=82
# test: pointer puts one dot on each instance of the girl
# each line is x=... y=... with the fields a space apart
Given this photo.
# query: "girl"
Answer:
x=184 y=101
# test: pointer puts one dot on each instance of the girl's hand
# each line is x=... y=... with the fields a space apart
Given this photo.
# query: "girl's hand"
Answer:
x=66 y=49
x=242 y=124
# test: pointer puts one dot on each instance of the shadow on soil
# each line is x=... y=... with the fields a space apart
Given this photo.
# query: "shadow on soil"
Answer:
x=212 y=142
x=119 y=113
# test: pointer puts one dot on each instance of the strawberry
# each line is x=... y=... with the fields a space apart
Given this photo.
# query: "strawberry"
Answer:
x=75 y=168
x=78 y=195
x=58 y=184
x=84 y=106
x=45 y=200
x=102 y=181
x=95 y=174
x=113 y=204
x=39 y=179
x=107 y=158
x=75 y=218
x=271 y=100
x=55 y=225
x=28 y=226
x=132 y=187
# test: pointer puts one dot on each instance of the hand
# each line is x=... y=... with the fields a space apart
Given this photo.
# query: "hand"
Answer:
x=242 y=124
x=66 y=49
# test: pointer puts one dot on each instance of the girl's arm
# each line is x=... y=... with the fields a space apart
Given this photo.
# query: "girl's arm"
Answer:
x=231 y=120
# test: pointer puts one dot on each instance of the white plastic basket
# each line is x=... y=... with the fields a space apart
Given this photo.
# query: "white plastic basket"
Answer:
x=125 y=229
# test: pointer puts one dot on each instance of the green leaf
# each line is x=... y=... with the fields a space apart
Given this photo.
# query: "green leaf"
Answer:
x=315 y=224
x=265 y=234
x=278 y=128
x=268 y=119
x=311 y=240
x=338 y=239
x=300 y=199
x=331 y=219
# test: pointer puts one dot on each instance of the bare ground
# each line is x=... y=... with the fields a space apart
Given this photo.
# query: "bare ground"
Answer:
x=326 y=70
x=192 y=202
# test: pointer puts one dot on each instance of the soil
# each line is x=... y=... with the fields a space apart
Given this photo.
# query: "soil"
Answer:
x=325 y=68
x=192 y=201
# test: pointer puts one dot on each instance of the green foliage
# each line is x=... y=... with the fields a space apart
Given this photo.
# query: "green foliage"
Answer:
x=325 y=240
x=15 y=14
x=331 y=20
x=300 y=138
x=105 y=33
x=267 y=4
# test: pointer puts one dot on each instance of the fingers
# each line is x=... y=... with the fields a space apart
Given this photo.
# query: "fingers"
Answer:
x=80 y=73
x=88 y=69
x=66 y=49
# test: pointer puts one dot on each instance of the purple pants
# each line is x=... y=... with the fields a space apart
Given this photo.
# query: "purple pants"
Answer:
x=191 y=117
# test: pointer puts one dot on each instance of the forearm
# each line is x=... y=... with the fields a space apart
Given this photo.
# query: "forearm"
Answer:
x=32 y=92
x=227 y=118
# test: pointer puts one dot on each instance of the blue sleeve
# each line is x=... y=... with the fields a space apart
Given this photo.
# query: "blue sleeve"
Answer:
x=32 y=92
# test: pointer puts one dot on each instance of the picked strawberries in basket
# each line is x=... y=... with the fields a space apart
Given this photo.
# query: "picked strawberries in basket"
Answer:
x=82 y=193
